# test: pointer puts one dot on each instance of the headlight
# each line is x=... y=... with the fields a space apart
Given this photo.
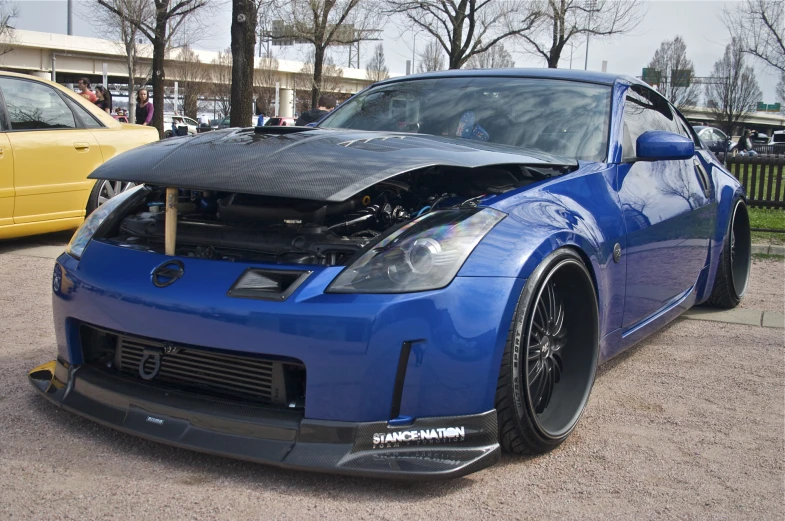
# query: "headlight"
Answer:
x=85 y=232
x=423 y=255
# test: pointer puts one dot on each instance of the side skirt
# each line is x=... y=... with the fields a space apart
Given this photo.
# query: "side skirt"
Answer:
x=619 y=341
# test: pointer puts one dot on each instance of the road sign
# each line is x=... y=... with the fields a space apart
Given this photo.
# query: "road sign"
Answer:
x=681 y=77
x=652 y=76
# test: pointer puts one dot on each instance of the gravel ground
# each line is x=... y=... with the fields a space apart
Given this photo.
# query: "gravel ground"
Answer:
x=688 y=424
x=766 y=288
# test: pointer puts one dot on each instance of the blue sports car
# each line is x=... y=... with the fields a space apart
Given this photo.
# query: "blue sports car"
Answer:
x=430 y=276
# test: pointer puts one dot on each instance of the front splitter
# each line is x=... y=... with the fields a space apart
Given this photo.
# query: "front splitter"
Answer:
x=428 y=448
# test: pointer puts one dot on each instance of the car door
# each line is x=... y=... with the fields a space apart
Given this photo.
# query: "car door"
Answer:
x=6 y=182
x=720 y=141
x=192 y=124
x=663 y=204
x=53 y=154
x=708 y=139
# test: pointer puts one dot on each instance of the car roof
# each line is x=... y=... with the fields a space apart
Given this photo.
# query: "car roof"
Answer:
x=604 y=78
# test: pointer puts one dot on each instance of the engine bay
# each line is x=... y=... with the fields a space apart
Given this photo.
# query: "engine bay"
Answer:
x=234 y=226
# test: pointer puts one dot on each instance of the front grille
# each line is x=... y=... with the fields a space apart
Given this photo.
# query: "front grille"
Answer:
x=234 y=374
x=191 y=368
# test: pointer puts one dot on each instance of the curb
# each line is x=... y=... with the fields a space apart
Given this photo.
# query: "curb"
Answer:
x=768 y=249
x=747 y=317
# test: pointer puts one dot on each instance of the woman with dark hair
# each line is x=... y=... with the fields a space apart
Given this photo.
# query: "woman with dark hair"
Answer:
x=144 y=108
x=104 y=101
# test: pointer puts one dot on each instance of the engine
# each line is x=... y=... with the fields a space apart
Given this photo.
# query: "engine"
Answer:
x=233 y=226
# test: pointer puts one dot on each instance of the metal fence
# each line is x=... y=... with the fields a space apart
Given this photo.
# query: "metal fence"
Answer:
x=761 y=177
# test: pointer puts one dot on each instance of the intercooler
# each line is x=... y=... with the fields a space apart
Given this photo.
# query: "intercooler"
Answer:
x=190 y=368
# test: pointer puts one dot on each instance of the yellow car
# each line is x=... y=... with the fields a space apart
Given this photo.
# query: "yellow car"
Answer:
x=51 y=139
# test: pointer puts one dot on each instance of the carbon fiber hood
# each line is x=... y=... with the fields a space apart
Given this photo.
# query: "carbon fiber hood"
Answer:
x=319 y=164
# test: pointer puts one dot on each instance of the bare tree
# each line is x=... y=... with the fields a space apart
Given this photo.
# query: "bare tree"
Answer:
x=430 y=58
x=221 y=88
x=732 y=90
x=496 y=57
x=166 y=18
x=759 y=27
x=245 y=14
x=376 y=68
x=464 y=28
x=559 y=21
x=780 y=92
x=8 y=12
x=192 y=76
x=265 y=77
x=325 y=23
x=675 y=69
x=120 y=24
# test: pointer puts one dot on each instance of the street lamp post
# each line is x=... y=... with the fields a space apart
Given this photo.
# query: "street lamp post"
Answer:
x=590 y=5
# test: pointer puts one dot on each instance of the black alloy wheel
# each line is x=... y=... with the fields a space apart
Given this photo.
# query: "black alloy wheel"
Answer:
x=547 y=337
x=740 y=249
x=733 y=270
x=550 y=360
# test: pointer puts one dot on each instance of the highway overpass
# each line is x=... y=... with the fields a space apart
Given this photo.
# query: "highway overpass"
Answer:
x=65 y=58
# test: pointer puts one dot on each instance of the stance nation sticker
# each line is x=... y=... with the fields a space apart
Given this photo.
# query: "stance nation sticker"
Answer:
x=419 y=437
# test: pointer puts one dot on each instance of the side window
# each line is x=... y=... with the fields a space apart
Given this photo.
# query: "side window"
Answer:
x=34 y=106
x=87 y=119
x=644 y=111
x=686 y=130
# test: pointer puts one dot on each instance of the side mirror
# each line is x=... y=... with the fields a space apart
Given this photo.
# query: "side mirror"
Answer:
x=658 y=145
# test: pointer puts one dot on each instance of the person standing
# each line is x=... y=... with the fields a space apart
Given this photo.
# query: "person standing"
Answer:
x=104 y=99
x=84 y=90
x=325 y=104
x=744 y=147
x=261 y=120
x=144 y=108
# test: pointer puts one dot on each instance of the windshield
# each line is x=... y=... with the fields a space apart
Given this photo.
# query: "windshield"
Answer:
x=564 y=118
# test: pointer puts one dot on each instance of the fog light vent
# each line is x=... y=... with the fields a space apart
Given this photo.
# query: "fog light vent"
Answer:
x=267 y=284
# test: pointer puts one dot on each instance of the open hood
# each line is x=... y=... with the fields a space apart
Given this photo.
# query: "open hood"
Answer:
x=318 y=164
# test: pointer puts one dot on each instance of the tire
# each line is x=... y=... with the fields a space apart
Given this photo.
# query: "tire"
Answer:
x=168 y=134
x=566 y=350
x=733 y=271
x=104 y=190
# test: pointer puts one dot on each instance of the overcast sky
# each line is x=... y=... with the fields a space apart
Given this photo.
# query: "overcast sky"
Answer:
x=697 y=21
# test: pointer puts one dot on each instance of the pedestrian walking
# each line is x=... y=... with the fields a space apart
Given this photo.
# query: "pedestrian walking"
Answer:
x=262 y=120
x=104 y=99
x=144 y=108
x=325 y=104
x=84 y=90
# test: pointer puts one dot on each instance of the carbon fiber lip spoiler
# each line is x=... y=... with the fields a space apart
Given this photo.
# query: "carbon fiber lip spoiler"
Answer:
x=427 y=448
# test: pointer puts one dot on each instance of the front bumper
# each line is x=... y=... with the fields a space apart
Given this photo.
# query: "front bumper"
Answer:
x=428 y=448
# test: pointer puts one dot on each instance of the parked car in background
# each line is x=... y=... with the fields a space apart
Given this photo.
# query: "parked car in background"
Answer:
x=759 y=138
x=121 y=119
x=220 y=123
x=278 y=121
x=191 y=124
x=715 y=139
x=46 y=155
x=777 y=138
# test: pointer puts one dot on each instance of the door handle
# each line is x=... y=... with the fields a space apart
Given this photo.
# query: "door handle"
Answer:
x=82 y=146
